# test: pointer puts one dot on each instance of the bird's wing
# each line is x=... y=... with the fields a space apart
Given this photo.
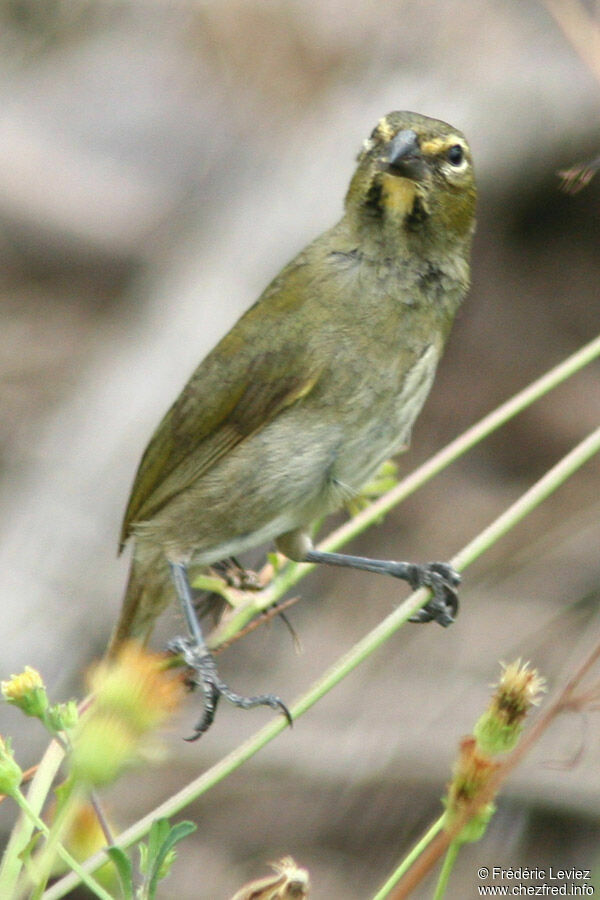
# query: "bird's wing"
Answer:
x=240 y=387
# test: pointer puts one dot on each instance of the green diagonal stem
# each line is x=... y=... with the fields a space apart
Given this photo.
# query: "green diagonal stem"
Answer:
x=294 y=572
x=556 y=476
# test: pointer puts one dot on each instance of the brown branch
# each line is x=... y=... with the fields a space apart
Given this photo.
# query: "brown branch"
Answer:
x=580 y=29
x=565 y=699
x=264 y=617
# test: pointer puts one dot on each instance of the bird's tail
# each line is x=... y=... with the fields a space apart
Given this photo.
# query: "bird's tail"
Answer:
x=148 y=592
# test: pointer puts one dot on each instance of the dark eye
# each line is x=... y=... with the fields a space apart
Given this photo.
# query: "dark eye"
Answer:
x=455 y=155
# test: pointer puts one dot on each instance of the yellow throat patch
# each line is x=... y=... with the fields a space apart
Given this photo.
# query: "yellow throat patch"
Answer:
x=399 y=194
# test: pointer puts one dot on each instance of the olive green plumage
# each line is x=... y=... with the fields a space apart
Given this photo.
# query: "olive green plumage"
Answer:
x=320 y=380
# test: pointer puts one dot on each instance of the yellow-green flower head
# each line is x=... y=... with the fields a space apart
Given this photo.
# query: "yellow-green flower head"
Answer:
x=520 y=687
x=27 y=691
x=132 y=697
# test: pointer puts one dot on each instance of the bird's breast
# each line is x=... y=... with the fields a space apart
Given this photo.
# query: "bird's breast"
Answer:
x=380 y=423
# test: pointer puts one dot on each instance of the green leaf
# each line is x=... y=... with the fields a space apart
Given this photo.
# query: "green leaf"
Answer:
x=124 y=869
x=27 y=851
x=162 y=860
x=143 y=851
x=158 y=835
x=164 y=866
x=63 y=794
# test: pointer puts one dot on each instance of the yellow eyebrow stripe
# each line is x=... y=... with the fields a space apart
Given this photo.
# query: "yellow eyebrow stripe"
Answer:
x=436 y=145
x=384 y=129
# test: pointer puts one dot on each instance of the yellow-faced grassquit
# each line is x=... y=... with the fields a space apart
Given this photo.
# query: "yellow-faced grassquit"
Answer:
x=314 y=387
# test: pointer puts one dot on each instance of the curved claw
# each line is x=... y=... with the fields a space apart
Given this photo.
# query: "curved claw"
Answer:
x=207 y=678
x=211 y=701
x=442 y=580
x=271 y=700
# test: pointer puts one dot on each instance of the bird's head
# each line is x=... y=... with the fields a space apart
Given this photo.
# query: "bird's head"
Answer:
x=414 y=181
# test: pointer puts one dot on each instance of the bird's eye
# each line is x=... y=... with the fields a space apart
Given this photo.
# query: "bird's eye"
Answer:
x=455 y=155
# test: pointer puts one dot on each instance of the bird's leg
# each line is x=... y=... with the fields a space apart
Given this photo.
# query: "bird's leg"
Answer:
x=197 y=656
x=441 y=578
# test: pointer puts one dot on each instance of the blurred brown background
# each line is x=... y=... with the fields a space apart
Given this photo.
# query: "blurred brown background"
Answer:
x=158 y=164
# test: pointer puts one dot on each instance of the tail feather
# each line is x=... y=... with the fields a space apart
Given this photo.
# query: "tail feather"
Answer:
x=148 y=593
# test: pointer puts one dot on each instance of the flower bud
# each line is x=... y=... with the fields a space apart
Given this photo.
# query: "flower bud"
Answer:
x=10 y=771
x=27 y=691
x=289 y=882
x=519 y=688
x=63 y=716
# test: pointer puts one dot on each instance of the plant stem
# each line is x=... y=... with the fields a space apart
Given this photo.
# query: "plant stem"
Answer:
x=77 y=868
x=409 y=859
x=350 y=660
x=528 y=501
x=292 y=572
x=12 y=861
x=580 y=28
x=565 y=698
x=449 y=860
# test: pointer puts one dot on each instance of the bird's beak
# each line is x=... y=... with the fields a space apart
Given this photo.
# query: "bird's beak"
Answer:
x=404 y=157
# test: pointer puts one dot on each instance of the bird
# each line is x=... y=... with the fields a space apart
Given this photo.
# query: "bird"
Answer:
x=315 y=386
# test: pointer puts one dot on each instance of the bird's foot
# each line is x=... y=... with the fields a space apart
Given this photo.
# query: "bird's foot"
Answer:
x=442 y=580
x=207 y=678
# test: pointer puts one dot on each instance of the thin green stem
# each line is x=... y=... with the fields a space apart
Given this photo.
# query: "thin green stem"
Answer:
x=65 y=811
x=291 y=573
x=102 y=820
x=447 y=866
x=528 y=501
x=213 y=584
x=350 y=660
x=409 y=859
x=77 y=868
x=12 y=861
